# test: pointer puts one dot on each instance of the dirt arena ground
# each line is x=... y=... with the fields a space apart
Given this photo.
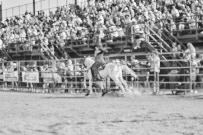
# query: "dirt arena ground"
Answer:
x=63 y=114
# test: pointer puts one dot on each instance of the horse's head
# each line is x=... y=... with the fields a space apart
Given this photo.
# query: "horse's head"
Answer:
x=88 y=62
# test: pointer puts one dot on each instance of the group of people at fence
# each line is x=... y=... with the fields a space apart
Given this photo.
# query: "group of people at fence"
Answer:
x=36 y=74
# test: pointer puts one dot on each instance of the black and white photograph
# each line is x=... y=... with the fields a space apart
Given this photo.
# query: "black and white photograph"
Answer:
x=101 y=67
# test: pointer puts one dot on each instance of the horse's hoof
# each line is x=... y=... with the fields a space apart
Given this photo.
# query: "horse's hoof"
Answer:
x=103 y=93
x=88 y=93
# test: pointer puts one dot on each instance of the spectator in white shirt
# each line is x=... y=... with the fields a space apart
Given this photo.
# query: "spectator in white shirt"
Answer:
x=22 y=35
x=175 y=13
x=1 y=44
x=174 y=49
x=190 y=53
x=154 y=71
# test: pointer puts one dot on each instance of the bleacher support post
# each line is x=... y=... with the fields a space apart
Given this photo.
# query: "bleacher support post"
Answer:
x=1 y=12
x=33 y=7
x=196 y=26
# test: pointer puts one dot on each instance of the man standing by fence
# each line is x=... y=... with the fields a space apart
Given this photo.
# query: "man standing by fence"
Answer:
x=154 y=71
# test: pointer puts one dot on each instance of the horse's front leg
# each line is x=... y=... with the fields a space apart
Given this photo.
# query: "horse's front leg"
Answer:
x=118 y=83
x=124 y=83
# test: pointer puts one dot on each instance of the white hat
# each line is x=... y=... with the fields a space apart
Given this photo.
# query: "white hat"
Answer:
x=117 y=61
x=70 y=61
x=135 y=61
x=125 y=8
x=14 y=64
x=133 y=20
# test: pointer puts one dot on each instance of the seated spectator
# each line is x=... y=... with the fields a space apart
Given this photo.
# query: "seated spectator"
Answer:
x=173 y=26
x=1 y=44
x=137 y=34
x=52 y=50
x=181 y=25
x=113 y=33
x=78 y=69
x=174 y=12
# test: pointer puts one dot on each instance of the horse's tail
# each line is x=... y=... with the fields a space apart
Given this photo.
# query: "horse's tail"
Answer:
x=127 y=70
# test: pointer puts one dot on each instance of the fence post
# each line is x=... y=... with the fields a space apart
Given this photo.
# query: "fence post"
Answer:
x=41 y=5
x=190 y=75
x=33 y=7
x=196 y=26
x=12 y=11
x=66 y=3
x=19 y=10
x=19 y=75
x=26 y=6
x=49 y=5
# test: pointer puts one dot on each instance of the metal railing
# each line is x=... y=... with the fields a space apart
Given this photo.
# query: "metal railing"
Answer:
x=45 y=5
x=61 y=76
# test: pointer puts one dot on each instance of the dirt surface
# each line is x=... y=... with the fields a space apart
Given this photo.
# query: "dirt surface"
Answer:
x=63 y=114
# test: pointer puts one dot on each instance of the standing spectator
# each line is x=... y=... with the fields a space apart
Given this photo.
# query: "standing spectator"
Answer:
x=193 y=75
x=190 y=53
x=200 y=76
x=174 y=50
x=154 y=71
x=180 y=51
x=1 y=44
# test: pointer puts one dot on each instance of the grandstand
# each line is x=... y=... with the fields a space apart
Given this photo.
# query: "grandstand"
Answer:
x=79 y=39
x=124 y=27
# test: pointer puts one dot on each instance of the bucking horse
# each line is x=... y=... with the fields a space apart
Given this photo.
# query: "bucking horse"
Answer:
x=112 y=70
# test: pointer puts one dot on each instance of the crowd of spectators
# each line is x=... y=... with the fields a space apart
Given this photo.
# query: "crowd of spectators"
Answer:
x=98 y=20
x=50 y=72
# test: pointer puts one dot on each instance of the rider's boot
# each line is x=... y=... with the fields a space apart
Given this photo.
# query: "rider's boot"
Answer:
x=103 y=92
x=88 y=93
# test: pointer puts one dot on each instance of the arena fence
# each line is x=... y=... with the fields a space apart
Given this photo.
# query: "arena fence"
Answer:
x=68 y=75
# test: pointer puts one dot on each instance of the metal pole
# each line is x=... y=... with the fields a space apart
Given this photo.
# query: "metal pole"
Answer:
x=26 y=6
x=6 y=13
x=18 y=70
x=33 y=7
x=19 y=10
x=49 y=4
x=41 y=4
x=12 y=11
x=1 y=12
x=66 y=3
x=196 y=26
x=190 y=76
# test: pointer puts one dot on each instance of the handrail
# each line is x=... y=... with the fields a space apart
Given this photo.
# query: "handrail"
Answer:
x=5 y=53
x=178 y=41
x=173 y=37
x=166 y=44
